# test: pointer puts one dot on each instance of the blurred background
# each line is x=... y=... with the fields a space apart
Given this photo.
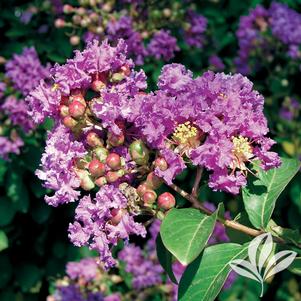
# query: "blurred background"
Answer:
x=252 y=37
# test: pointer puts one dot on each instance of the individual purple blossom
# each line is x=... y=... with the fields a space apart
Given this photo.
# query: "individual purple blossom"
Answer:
x=70 y=293
x=57 y=166
x=285 y=23
x=25 y=70
x=289 y=109
x=194 y=35
x=123 y=29
x=10 y=145
x=87 y=269
x=162 y=45
x=17 y=110
x=145 y=272
x=113 y=297
x=216 y=62
x=92 y=223
x=2 y=89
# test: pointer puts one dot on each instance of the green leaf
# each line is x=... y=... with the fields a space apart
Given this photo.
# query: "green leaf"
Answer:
x=204 y=278
x=3 y=241
x=7 y=211
x=165 y=259
x=28 y=276
x=260 y=195
x=295 y=267
x=185 y=232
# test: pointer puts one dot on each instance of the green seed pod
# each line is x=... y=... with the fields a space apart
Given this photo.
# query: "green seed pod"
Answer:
x=139 y=152
x=101 y=153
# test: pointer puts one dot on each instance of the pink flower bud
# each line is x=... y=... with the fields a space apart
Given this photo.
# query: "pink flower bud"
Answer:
x=116 y=140
x=142 y=188
x=166 y=201
x=68 y=9
x=64 y=110
x=161 y=163
x=77 y=109
x=97 y=168
x=149 y=197
x=69 y=122
x=113 y=161
x=101 y=181
x=59 y=23
x=94 y=140
x=117 y=215
x=112 y=176
x=101 y=153
x=153 y=181
x=74 y=40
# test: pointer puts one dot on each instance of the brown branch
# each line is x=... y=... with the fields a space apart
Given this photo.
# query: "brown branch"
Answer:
x=195 y=188
x=228 y=223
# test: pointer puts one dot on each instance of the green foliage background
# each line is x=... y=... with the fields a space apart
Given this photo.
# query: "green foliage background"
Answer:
x=34 y=247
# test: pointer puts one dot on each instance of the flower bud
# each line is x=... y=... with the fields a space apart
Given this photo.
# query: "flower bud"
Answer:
x=81 y=11
x=94 y=140
x=94 y=17
x=68 y=9
x=86 y=181
x=107 y=7
x=99 y=30
x=117 y=77
x=167 y=12
x=85 y=22
x=76 y=19
x=112 y=176
x=142 y=188
x=65 y=100
x=117 y=215
x=69 y=122
x=113 y=161
x=149 y=197
x=97 y=85
x=77 y=109
x=101 y=153
x=74 y=40
x=153 y=181
x=97 y=168
x=161 y=163
x=139 y=152
x=77 y=96
x=115 y=140
x=101 y=181
x=125 y=69
x=64 y=110
x=59 y=23
x=166 y=201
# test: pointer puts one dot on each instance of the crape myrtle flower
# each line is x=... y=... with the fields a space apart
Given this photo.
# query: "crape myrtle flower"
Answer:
x=162 y=45
x=95 y=224
x=194 y=35
x=25 y=70
x=17 y=111
x=215 y=120
x=10 y=144
x=86 y=269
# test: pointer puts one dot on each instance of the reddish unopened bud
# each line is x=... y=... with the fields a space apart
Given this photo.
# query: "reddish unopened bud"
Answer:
x=112 y=176
x=76 y=19
x=59 y=23
x=139 y=152
x=117 y=215
x=144 y=35
x=68 y=9
x=153 y=181
x=94 y=17
x=166 y=201
x=101 y=181
x=74 y=40
x=113 y=161
x=65 y=100
x=149 y=197
x=161 y=163
x=101 y=153
x=77 y=109
x=69 y=122
x=115 y=140
x=141 y=189
x=77 y=96
x=64 y=110
x=94 y=140
x=97 y=168
x=97 y=85
x=107 y=7
x=81 y=11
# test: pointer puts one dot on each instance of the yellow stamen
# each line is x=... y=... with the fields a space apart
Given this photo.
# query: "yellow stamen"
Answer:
x=55 y=87
x=184 y=132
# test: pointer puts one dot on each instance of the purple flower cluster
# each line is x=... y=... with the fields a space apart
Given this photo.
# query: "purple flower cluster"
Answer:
x=93 y=224
x=25 y=70
x=162 y=45
x=194 y=35
x=216 y=120
x=285 y=26
x=10 y=144
x=17 y=111
x=86 y=269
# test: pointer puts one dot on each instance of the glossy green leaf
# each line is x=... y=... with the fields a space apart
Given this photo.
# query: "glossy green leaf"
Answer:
x=295 y=267
x=3 y=241
x=185 y=232
x=204 y=278
x=165 y=258
x=260 y=195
